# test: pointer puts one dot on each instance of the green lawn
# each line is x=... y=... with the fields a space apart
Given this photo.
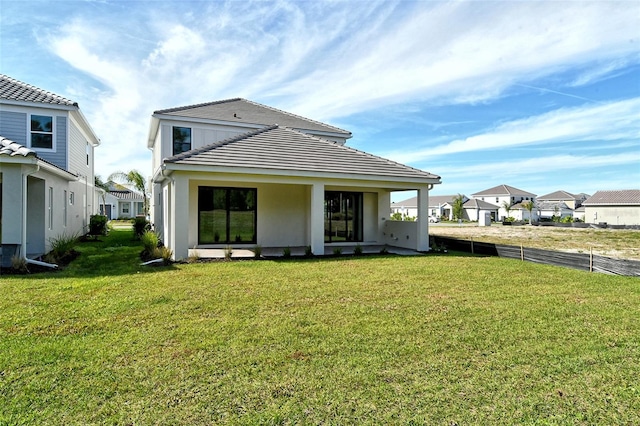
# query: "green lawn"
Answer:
x=384 y=339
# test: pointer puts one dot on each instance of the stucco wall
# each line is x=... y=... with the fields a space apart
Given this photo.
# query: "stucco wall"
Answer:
x=623 y=215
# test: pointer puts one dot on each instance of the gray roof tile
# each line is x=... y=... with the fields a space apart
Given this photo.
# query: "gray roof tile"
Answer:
x=285 y=149
x=474 y=203
x=559 y=195
x=15 y=90
x=504 y=190
x=610 y=198
x=11 y=148
x=244 y=111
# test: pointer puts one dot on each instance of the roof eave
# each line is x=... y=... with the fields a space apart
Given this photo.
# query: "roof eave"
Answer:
x=300 y=173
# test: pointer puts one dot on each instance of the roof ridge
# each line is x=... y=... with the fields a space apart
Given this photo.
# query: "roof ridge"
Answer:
x=203 y=104
x=211 y=146
x=361 y=152
x=296 y=115
x=60 y=99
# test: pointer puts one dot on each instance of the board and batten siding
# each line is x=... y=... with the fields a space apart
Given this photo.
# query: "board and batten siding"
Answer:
x=13 y=125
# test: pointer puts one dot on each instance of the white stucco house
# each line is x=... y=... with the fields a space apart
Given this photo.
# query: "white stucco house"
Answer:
x=121 y=202
x=621 y=207
x=440 y=206
x=236 y=172
x=572 y=201
x=498 y=195
x=46 y=169
x=474 y=209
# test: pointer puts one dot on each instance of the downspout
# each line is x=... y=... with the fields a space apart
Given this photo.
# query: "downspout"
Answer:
x=23 y=244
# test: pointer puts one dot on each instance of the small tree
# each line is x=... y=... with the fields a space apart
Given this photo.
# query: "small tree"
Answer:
x=458 y=206
x=135 y=179
x=99 y=183
x=507 y=206
x=529 y=206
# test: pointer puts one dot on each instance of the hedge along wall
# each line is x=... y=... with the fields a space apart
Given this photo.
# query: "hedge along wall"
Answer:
x=581 y=261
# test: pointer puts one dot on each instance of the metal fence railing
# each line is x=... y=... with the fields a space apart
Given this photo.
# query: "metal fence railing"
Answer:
x=582 y=261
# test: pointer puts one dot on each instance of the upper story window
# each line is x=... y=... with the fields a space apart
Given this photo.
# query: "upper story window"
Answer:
x=181 y=139
x=42 y=131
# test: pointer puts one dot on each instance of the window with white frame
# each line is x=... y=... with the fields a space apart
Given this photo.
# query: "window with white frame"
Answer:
x=41 y=131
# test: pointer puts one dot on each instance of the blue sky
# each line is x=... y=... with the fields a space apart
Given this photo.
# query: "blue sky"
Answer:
x=538 y=95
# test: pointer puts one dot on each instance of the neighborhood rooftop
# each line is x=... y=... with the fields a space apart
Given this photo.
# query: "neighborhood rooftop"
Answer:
x=281 y=148
x=15 y=90
x=628 y=196
x=504 y=190
x=240 y=110
x=559 y=195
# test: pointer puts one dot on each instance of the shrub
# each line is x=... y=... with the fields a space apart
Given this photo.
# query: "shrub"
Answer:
x=150 y=241
x=337 y=251
x=257 y=251
x=308 y=252
x=19 y=264
x=567 y=219
x=62 y=248
x=286 y=252
x=140 y=225
x=163 y=253
x=97 y=225
x=357 y=250
x=228 y=251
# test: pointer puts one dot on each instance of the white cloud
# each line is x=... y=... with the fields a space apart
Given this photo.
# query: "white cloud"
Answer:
x=329 y=60
x=611 y=121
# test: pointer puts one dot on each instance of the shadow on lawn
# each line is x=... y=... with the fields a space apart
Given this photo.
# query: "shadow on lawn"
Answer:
x=115 y=254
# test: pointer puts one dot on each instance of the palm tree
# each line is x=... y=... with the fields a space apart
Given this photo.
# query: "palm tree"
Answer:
x=135 y=179
x=507 y=206
x=529 y=206
x=457 y=206
x=105 y=188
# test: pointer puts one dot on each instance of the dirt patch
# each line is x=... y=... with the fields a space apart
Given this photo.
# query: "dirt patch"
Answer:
x=617 y=243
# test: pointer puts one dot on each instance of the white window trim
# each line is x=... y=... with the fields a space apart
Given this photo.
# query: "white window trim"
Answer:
x=53 y=132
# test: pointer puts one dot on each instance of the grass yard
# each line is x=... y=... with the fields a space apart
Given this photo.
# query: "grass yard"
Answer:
x=401 y=340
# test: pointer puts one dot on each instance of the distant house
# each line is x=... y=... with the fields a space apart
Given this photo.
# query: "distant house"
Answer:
x=572 y=201
x=498 y=195
x=225 y=173
x=121 y=202
x=474 y=208
x=440 y=206
x=548 y=209
x=46 y=169
x=613 y=207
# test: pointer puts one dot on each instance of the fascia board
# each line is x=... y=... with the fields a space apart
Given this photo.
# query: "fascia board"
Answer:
x=28 y=104
x=154 y=127
x=300 y=174
x=179 y=118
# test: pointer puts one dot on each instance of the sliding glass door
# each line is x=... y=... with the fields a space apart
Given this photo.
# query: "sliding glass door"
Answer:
x=342 y=216
x=226 y=215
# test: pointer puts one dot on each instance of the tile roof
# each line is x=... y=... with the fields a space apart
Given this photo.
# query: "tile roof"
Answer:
x=15 y=90
x=285 y=149
x=409 y=202
x=11 y=148
x=244 y=111
x=560 y=195
x=126 y=195
x=479 y=204
x=504 y=190
x=611 y=198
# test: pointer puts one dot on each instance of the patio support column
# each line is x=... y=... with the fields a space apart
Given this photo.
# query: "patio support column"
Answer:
x=422 y=243
x=180 y=217
x=317 y=219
